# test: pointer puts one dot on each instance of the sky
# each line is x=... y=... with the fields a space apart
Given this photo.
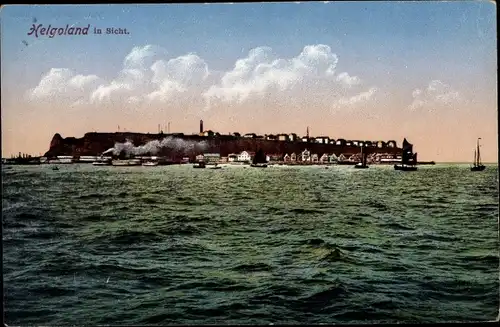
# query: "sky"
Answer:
x=426 y=71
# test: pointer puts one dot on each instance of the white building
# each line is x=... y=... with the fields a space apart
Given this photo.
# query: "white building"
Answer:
x=322 y=139
x=292 y=137
x=282 y=137
x=305 y=155
x=211 y=157
x=246 y=156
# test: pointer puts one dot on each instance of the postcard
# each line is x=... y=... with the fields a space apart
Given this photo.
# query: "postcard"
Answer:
x=250 y=163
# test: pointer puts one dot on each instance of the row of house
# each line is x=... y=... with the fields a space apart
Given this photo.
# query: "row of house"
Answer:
x=292 y=137
x=304 y=156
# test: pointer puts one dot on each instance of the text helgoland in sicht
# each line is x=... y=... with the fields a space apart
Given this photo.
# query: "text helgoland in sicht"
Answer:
x=51 y=31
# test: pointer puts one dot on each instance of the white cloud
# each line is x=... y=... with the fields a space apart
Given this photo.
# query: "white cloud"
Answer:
x=166 y=90
x=437 y=93
x=64 y=85
x=142 y=57
x=147 y=76
x=362 y=97
x=348 y=80
x=130 y=81
x=262 y=72
x=177 y=76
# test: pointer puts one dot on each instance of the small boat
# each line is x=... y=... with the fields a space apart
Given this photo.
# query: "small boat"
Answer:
x=405 y=168
x=216 y=167
x=150 y=163
x=362 y=164
x=478 y=166
x=55 y=168
x=129 y=162
x=200 y=164
x=409 y=159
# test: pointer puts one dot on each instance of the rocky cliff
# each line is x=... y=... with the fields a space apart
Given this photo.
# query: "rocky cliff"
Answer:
x=93 y=144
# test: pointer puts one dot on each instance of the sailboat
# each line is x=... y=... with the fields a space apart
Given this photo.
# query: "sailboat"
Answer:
x=409 y=159
x=478 y=166
x=362 y=164
x=259 y=160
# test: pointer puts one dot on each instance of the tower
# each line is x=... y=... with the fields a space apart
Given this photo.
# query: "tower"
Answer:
x=201 y=126
x=307 y=133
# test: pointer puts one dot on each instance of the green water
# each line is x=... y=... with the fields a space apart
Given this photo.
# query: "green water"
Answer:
x=173 y=244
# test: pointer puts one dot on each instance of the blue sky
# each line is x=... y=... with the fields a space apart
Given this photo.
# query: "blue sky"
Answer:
x=411 y=33
x=394 y=47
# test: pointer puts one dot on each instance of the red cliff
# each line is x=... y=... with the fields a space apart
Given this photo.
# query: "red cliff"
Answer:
x=94 y=144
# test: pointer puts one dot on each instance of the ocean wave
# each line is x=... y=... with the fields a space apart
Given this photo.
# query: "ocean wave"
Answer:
x=323 y=297
x=253 y=267
x=93 y=196
x=305 y=211
x=395 y=226
x=51 y=291
x=223 y=285
x=180 y=251
x=129 y=237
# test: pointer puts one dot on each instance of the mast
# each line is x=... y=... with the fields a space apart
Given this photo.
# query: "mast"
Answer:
x=478 y=153
x=407 y=152
x=475 y=151
x=363 y=157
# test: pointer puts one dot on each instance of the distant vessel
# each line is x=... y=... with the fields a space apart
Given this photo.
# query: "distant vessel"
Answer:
x=150 y=163
x=259 y=160
x=362 y=164
x=409 y=159
x=200 y=164
x=126 y=162
x=478 y=166
x=64 y=160
x=55 y=168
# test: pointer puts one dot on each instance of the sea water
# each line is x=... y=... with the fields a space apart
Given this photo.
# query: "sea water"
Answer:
x=173 y=244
